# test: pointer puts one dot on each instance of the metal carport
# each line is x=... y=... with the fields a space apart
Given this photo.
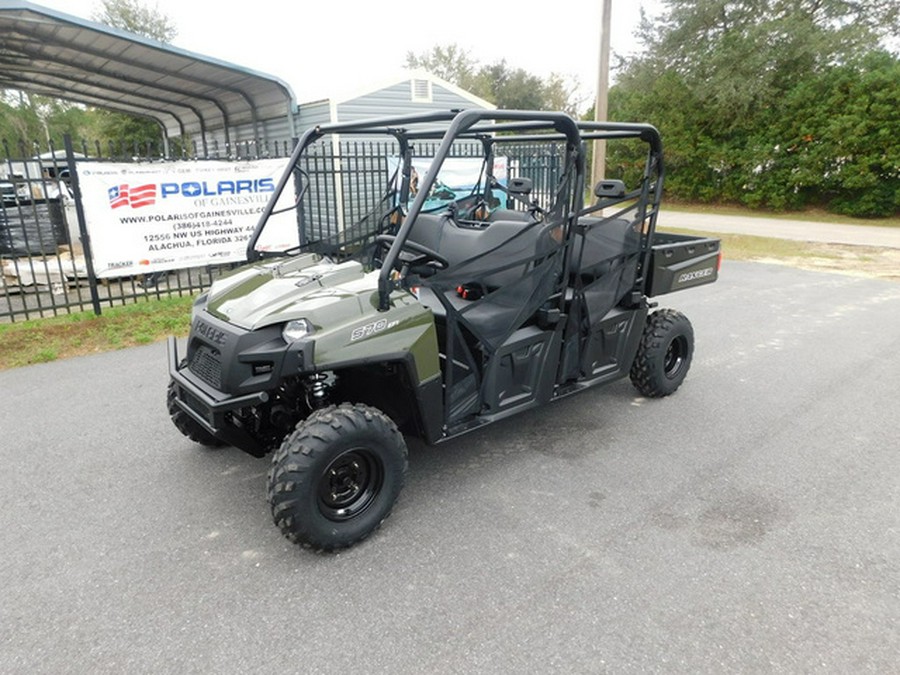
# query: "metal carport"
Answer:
x=50 y=53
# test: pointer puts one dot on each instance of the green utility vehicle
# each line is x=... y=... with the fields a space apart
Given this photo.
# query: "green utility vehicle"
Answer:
x=362 y=317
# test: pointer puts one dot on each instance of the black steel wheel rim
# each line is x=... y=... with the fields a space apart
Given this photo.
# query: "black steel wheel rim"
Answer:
x=676 y=353
x=350 y=484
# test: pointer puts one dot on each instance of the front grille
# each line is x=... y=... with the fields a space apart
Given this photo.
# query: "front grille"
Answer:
x=206 y=363
x=196 y=405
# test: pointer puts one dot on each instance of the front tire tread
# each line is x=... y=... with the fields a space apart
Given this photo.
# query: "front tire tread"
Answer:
x=298 y=467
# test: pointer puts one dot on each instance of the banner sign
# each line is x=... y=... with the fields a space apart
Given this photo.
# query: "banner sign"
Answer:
x=153 y=217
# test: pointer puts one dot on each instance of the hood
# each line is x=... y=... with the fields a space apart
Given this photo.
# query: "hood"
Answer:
x=305 y=287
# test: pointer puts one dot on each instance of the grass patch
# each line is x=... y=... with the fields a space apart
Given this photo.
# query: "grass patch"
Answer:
x=813 y=215
x=60 y=337
x=44 y=340
x=860 y=261
x=749 y=247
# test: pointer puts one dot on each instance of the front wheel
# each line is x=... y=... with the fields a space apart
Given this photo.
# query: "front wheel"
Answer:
x=664 y=354
x=336 y=476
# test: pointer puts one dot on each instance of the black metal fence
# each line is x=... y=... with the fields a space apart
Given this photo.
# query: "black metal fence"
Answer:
x=44 y=267
x=344 y=185
x=46 y=271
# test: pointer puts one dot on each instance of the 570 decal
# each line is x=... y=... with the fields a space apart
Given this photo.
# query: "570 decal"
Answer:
x=371 y=328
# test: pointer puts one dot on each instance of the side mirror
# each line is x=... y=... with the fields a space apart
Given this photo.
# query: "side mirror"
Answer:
x=520 y=186
x=610 y=188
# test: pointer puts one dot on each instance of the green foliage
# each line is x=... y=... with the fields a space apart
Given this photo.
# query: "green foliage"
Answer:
x=561 y=93
x=130 y=130
x=506 y=87
x=449 y=62
x=48 y=339
x=853 y=143
x=18 y=120
x=134 y=17
x=772 y=103
x=38 y=119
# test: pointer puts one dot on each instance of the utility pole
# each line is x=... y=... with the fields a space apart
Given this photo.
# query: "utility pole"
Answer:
x=601 y=105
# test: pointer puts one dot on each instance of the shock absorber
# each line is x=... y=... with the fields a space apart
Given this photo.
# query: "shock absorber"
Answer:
x=317 y=391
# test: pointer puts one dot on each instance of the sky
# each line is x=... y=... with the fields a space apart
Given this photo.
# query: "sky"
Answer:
x=326 y=49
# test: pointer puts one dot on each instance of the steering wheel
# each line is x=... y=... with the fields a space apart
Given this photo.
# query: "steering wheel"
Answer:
x=426 y=255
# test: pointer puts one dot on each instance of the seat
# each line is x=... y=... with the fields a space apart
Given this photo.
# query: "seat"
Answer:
x=600 y=245
x=510 y=214
x=497 y=260
x=459 y=244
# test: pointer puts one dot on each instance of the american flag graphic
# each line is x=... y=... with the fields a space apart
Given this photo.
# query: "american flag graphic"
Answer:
x=118 y=196
x=136 y=197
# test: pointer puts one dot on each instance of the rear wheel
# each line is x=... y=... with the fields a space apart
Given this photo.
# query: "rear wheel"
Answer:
x=336 y=477
x=664 y=354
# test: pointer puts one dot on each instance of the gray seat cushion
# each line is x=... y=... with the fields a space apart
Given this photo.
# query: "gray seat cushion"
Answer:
x=513 y=240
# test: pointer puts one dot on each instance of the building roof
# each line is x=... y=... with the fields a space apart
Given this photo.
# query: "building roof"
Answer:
x=50 y=53
x=410 y=74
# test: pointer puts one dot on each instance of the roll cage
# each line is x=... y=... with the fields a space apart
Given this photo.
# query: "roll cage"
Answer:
x=491 y=129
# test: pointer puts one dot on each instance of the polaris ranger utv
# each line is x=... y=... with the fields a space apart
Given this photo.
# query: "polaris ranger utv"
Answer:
x=378 y=304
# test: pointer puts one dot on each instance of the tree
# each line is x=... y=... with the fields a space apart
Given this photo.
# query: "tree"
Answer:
x=502 y=85
x=762 y=102
x=38 y=119
x=561 y=93
x=509 y=88
x=744 y=54
x=449 y=62
x=18 y=117
x=132 y=16
x=842 y=129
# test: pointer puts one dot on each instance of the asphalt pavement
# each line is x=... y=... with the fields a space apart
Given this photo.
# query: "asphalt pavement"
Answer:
x=747 y=524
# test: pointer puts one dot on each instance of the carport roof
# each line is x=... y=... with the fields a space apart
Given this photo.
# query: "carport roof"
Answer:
x=50 y=53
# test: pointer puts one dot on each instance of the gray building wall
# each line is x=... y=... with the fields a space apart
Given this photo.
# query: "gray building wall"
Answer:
x=269 y=133
x=418 y=93
x=311 y=114
x=410 y=96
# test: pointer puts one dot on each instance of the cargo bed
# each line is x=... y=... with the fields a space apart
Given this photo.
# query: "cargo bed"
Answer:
x=679 y=261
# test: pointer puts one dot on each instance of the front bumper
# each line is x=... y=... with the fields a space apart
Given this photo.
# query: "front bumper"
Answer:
x=210 y=408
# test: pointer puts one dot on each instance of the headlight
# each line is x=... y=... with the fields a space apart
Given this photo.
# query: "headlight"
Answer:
x=296 y=330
